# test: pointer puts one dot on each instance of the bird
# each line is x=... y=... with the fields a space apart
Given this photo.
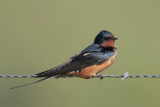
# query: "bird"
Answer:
x=88 y=63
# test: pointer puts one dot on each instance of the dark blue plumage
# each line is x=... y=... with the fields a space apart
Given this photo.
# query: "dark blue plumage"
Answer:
x=102 y=34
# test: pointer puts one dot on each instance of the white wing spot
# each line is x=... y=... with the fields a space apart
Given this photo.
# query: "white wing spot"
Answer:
x=86 y=54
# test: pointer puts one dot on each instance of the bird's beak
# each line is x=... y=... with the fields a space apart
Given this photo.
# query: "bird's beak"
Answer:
x=114 y=38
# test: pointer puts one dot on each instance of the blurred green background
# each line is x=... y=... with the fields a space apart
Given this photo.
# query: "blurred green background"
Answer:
x=36 y=35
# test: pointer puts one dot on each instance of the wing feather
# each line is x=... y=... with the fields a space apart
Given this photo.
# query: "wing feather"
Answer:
x=77 y=62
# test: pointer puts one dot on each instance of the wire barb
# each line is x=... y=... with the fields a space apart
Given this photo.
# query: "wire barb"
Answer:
x=125 y=75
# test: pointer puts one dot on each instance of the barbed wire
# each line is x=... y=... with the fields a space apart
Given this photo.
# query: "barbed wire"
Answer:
x=124 y=76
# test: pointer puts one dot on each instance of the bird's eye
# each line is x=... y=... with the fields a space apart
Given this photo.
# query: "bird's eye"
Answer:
x=105 y=38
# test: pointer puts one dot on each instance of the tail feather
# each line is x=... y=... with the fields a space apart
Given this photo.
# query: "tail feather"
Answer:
x=30 y=83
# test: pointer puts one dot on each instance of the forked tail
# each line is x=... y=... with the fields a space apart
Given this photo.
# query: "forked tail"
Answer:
x=30 y=83
x=23 y=76
x=30 y=76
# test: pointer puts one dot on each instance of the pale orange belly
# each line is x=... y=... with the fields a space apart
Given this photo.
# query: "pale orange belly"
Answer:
x=94 y=69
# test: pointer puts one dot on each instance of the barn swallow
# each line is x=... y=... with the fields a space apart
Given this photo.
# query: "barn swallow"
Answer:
x=88 y=63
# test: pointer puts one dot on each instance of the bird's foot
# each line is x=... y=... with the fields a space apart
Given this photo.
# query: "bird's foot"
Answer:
x=100 y=76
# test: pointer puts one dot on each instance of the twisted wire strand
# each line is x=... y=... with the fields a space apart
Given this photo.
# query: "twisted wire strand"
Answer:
x=17 y=76
x=124 y=76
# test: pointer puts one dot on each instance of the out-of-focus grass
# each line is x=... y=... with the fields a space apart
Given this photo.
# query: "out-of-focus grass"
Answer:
x=38 y=35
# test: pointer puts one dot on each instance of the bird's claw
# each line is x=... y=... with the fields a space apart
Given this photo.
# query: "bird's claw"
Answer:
x=100 y=76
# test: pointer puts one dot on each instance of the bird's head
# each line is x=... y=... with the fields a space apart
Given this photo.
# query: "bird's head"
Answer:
x=105 y=39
